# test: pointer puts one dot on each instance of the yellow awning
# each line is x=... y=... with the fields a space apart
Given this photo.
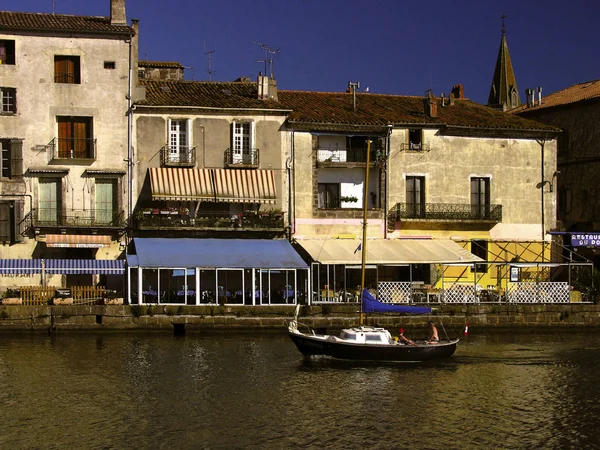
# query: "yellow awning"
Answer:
x=181 y=184
x=387 y=251
x=245 y=186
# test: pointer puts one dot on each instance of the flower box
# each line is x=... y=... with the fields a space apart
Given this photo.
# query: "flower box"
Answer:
x=12 y=301
x=62 y=301
x=113 y=301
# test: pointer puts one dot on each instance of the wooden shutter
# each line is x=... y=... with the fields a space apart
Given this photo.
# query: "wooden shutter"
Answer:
x=16 y=158
x=5 y=221
x=19 y=226
x=65 y=137
x=80 y=136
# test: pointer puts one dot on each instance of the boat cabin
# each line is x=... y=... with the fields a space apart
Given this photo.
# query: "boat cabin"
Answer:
x=367 y=335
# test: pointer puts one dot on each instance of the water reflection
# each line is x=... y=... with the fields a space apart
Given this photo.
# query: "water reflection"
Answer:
x=256 y=391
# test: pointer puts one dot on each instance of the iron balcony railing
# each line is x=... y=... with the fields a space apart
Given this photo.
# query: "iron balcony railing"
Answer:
x=249 y=157
x=72 y=148
x=445 y=211
x=414 y=147
x=48 y=217
x=154 y=218
x=347 y=155
x=178 y=155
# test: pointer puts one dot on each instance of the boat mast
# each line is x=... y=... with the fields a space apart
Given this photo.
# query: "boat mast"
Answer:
x=364 y=230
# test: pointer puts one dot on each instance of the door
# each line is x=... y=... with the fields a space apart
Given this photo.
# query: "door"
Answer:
x=415 y=196
x=48 y=201
x=241 y=143
x=178 y=141
x=480 y=197
x=105 y=201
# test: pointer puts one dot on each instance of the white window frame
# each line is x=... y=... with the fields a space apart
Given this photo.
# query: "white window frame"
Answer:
x=240 y=152
x=178 y=151
x=6 y=99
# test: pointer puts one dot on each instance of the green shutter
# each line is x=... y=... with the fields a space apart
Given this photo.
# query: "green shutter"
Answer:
x=16 y=158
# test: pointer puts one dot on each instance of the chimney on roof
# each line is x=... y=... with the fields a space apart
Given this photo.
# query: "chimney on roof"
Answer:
x=451 y=101
x=117 y=12
x=458 y=91
x=430 y=104
x=267 y=87
x=539 y=90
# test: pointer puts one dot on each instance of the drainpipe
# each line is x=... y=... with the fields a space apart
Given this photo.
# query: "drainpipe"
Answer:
x=542 y=144
x=386 y=184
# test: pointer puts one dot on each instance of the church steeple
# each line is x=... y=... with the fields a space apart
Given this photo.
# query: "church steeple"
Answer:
x=504 y=93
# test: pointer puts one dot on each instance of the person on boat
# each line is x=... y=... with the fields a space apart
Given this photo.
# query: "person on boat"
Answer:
x=403 y=339
x=434 y=338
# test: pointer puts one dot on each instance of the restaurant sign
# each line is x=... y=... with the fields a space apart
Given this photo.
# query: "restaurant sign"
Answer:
x=585 y=239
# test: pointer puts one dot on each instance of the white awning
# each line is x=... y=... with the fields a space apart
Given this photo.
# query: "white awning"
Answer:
x=388 y=251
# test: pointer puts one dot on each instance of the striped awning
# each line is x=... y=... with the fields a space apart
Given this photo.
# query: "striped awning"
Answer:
x=77 y=240
x=20 y=266
x=181 y=184
x=61 y=266
x=85 y=266
x=245 y=186
x=221 y=185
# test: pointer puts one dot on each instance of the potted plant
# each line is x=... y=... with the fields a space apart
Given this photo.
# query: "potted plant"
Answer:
x=11 y=297
x=348 y=199
x=62 y=297
x=111 y=297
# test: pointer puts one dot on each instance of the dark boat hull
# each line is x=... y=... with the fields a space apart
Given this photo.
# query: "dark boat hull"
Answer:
x=310 y=345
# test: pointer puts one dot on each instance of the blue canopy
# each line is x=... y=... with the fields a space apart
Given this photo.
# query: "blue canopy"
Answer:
x=370 y=305
x=215 y=253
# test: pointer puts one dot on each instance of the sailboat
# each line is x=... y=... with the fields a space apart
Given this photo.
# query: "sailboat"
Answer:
x=368 y=343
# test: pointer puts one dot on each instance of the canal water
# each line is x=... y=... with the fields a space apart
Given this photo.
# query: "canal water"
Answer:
x=231 y=390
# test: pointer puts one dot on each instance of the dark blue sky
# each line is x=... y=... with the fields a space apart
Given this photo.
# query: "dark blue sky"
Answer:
x=390 y=46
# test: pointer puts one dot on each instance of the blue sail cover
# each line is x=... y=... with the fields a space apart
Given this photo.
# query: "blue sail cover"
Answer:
x=370 y=305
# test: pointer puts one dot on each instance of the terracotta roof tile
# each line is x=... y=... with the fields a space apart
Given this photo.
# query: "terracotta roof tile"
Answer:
x=59 y=24
x=577 y=93
x=166 y=64
x=334 y=111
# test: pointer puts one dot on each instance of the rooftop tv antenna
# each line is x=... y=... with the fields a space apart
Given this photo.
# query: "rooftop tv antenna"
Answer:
x=209 y=62
x=269 y=52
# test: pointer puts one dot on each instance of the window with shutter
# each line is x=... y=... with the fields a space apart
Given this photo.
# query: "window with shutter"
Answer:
x=75 y=137
x=67 y=69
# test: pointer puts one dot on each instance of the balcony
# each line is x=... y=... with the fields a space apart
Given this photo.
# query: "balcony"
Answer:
x=246 y=158
x=348 y=157
x=78 y=218
x=71 y=148
x=159 y=219
x=445 y=212
x=414 y=147
x=178 y=156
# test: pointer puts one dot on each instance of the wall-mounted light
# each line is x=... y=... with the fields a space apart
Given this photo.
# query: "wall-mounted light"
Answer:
x=551 y=183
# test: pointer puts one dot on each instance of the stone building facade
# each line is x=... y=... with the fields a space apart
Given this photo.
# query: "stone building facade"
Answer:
x=64 y=134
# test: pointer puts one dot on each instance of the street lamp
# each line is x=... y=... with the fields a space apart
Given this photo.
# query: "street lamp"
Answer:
x=551 y=183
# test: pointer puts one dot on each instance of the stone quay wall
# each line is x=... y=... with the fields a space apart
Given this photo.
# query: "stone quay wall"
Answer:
x=222 y=318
